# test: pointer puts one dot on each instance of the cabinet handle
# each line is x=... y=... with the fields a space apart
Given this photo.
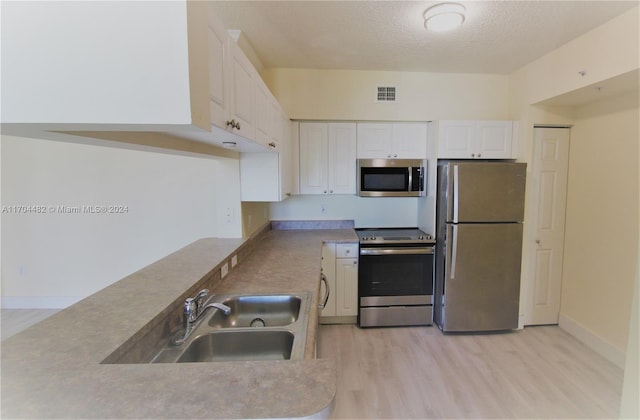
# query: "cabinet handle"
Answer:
x=288 y=194
x=272 y=144
x=395 y=156
x=323 y=278
x=233 y=124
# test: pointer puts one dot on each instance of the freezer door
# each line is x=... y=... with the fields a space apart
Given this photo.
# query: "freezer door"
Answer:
x=482 y=277
x=485 y=192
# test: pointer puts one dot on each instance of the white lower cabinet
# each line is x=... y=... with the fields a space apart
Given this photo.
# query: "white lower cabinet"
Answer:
x=340 y=268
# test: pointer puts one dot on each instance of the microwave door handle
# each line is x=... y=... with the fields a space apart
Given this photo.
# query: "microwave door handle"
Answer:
x=410 y=179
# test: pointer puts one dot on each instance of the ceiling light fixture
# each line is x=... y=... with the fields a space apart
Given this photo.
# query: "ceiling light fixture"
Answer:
x=444 y=17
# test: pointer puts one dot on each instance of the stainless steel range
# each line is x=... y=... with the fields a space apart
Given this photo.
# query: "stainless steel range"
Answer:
x=395 y=277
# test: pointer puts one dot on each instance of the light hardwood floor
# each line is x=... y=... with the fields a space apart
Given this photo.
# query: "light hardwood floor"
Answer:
x=15 y=320
x=538 y=372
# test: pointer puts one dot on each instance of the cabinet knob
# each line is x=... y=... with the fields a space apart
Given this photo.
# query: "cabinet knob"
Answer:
x=479 y=155
x=538 y=241
x=473 y=155
x=330 y=191
x=288 y=194
x=272 y=144
x=355 y=262
x=325 y=191
x=395 y=156
x=233 y=124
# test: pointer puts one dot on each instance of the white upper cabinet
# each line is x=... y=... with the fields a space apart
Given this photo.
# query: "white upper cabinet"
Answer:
x=268 y=176
x=105 y=63
x=327 y=158
x=392 y=141
x=476 y=140
x=179 y=73
x=218 y=73
x=243 y=77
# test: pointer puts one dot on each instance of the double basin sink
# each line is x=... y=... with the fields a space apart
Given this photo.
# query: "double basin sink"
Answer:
x=257 y=327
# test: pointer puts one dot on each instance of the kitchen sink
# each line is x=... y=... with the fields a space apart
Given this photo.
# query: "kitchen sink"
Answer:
x=257 y=327
x=239 y=345
x=258 y=311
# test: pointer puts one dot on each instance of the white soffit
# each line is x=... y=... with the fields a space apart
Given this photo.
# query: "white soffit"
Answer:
x=496 y=37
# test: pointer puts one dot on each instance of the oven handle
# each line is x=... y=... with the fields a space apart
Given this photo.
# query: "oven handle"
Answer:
x=397 y=251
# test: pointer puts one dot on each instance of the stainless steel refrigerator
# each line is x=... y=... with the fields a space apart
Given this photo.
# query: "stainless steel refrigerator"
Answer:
x=479 y=214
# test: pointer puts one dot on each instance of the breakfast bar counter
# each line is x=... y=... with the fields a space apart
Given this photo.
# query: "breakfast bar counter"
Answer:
x=81 y=362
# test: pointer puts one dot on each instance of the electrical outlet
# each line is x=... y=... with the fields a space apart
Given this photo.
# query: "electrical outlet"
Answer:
x=229 y=215
x=224 y=270
x=234 y=261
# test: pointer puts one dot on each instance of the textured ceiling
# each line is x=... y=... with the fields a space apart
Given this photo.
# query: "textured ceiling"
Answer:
x=497 y=36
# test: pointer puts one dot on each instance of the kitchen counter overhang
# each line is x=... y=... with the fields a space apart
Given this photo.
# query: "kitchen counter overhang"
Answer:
x=54 y=369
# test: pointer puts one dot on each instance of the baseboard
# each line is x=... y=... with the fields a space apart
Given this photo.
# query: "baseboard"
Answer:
x=593 y=341
x=38 y=302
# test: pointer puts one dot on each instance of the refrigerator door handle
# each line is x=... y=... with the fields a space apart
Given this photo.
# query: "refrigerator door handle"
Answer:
x=454 y=251
x=455 y=194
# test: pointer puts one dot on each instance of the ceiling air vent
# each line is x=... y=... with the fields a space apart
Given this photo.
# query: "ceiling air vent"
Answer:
x=386 y=94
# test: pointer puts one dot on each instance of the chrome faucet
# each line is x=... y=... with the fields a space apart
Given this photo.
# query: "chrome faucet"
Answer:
x=194 y=309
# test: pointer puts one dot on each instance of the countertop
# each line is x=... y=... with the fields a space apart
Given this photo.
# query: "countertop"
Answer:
x=54 y=369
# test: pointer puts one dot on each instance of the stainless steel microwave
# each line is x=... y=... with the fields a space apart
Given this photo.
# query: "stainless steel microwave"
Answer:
x=391 y=177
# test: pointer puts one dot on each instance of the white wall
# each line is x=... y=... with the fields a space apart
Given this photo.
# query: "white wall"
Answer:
x=351 y=95
x=364 y=211
x=602 y=201
x=53 y=259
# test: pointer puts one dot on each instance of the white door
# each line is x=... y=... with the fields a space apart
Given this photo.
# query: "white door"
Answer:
x=494 y=139
x=346 y=286
x=242 y=93
x=410 y=140
x=549 y=181
x=374 y=140
x=342 y=158
x=313 y=158
x=456 y=140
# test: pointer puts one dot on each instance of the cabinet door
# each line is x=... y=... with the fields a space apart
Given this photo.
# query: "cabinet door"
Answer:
x=374 y=140
x=313 y=158
x=218 y=83
x=494 y=139
x=241 y=95
x=409 y=140
x=264 y=114
x=347 y=286
x=342 y=158
x=285 y=155
x=329 y=271
x=456 y=140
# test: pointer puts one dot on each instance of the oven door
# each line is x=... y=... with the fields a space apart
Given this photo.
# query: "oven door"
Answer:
x=396 y=271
